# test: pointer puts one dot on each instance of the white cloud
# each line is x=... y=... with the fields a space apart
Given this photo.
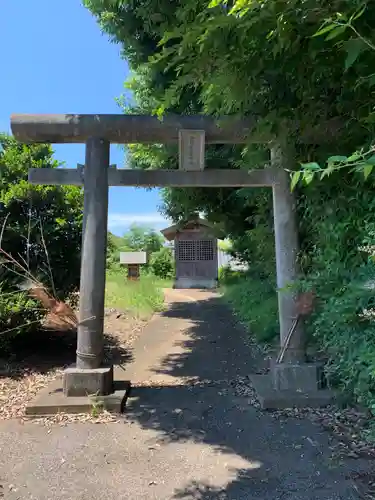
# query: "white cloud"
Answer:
x=119 y=220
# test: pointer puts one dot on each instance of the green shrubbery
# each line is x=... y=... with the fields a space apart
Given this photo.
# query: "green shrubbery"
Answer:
x=344 y=325
x=335 y=223
x=162 y=263
x=254 y=300
x=19 y=314
x=342 y=328
x=41 y=236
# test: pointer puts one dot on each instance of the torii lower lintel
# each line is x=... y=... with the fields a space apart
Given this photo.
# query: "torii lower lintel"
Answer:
x=161 y=178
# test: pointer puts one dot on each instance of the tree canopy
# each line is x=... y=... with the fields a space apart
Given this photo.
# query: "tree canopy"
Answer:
x=261 y=58
x=282 y=62
x=142 y=238
x=136 y=239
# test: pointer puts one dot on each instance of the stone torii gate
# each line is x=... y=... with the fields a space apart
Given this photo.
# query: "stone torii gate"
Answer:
x=293 y=382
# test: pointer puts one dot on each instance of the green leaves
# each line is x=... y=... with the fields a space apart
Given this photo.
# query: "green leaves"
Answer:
x=367 y=166
x=326 y=28
x=362 y=162
x=59 y=209
x=37 y=220
x=354 y=157
x=367 y=169
x=295 y=179
x=308 y=177
x=162 y=263
x=337 y=159
x=370 y=160
x=308 y=171
x=358 y=13
x=311 y=166
x=306 y=174
x=332 y=30
x=216 y=3
x=354 y=47
x=339 y=30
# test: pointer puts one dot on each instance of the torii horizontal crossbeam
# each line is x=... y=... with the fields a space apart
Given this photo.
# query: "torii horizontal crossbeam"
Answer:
x=143 y=129
x=127 y=129
x=160 y=178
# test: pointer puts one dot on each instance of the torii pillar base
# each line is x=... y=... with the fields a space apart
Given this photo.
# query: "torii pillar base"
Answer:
x=83 y=382
x=289 y=385
x=272 y=398
x=52 y=400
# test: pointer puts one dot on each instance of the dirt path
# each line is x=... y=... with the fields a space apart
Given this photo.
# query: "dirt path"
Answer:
x=190 y=431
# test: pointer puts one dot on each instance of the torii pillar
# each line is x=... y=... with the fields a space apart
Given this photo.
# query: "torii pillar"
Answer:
x=286 y=252
x=89 y=376
x=292 y=382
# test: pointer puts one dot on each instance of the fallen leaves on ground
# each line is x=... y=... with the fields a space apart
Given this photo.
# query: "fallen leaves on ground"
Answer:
x=21 y=381
x=19 y=386
x=349 y=425
x=364 y=484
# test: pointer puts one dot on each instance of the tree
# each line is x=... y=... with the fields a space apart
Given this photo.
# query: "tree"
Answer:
x=244 y=57
x=162 y=263
x=262 y=58
x=142 y=238
x=137 y=238
x=42 y=224
x=201 y=56
x=41 y=230
x=113 y=251
x=356 y=45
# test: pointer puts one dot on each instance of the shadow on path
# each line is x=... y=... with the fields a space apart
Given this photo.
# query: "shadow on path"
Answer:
x=214 y=346
x=263 y=457
x=44 y=350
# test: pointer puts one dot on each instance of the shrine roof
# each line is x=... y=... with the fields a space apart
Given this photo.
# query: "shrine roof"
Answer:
x=170 y=232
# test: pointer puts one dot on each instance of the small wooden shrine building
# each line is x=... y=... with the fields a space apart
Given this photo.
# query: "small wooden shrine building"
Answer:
x=133 y=261
x=195 y=252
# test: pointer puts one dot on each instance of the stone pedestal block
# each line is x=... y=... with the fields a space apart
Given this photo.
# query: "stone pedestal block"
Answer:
x=80 y=382
x=290 y=385
x=304 y=377
x=197 y=283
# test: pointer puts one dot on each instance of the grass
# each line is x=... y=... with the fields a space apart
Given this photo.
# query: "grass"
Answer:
x=141 y=298
x=254 y=300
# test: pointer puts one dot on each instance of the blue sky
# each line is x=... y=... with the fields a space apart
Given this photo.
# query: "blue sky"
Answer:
x=56 y=60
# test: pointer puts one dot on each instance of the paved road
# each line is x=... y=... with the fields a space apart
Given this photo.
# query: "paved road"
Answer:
x=178 y=441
